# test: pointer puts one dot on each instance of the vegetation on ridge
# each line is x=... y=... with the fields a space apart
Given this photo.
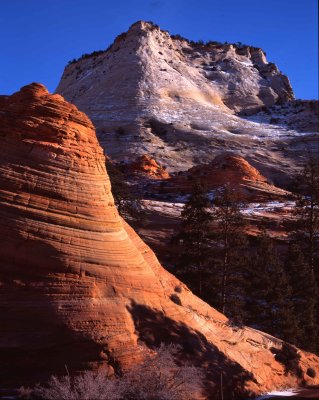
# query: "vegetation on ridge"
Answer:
x=252 y=279
x=193 y=43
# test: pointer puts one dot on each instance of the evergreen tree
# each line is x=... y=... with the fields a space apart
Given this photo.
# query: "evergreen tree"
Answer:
x=126 y=200
x=305 y=235
x=269 y=302
x=306 y=227
x=304 y=297
x=193 y=239
x=229 y=252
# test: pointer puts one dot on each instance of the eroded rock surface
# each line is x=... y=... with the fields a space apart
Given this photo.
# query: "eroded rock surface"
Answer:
x=78 y=288
x=182 y=103
x=226 y=169
x=147 y=167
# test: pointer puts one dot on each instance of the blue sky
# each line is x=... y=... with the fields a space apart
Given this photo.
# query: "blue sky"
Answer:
x=38 y=37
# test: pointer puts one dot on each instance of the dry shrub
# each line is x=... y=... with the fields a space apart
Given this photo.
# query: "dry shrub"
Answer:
x=288 y=355
x=157 y=378
x=311 y=372
x=88 y=386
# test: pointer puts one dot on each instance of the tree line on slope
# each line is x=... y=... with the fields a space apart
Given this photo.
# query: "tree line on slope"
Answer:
x=251 y=279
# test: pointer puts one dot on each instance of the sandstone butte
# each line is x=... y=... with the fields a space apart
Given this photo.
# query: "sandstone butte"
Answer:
x=183 y=103
x=78 y=287
x=226 y=169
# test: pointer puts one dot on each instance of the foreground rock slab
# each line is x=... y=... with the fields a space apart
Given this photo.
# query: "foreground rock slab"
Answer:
x=78 y=288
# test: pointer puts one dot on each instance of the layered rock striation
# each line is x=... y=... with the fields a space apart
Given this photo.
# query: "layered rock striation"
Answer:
x=183 y=103
x=225 y=170
x=78 y=288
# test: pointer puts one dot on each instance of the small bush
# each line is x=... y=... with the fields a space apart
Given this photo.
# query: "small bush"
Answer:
x=72 y=61
x=108 y=47
x=120 y=37
x=175 y=299
x=157 y=378
x=158 y=128
x=179 y=37
x=85 y=386
x=213 y=43
x=120 y=130
x=153 y=25
x=126 y=199
x=178 y=289
x=274 y=120
x=25 y=393
x=311 y=372
x=289 y=357
x=87 y=55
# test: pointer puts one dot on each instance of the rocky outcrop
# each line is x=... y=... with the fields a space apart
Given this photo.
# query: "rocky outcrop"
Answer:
x=233 y=74
x=226 y=169
x=148 y=167
x=78 y=288
x=182 y=102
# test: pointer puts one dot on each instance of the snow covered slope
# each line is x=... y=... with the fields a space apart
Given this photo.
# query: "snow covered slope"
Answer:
x=183 y=103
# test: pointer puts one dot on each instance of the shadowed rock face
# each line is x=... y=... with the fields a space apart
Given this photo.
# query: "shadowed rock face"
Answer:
x=78 y=287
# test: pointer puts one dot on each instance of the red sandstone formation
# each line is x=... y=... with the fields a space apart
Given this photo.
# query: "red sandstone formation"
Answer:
x=78 y=287
x=147 y=166
x=227 y=169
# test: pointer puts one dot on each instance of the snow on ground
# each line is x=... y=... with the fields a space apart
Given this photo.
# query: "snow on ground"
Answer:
x=164 y=207
x=249 y=210
x=273 y=131
x=284 y=393
x=270 y=206
x=247 y=63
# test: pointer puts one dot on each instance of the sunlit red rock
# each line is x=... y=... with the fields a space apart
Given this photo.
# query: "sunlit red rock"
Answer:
x=78 y=287
x=226 y=169
x=148 y=167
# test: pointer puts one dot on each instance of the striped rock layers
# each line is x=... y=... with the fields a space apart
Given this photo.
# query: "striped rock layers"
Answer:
x=78 y=287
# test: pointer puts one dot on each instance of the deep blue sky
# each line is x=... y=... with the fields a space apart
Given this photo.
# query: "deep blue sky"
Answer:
x=38 y=37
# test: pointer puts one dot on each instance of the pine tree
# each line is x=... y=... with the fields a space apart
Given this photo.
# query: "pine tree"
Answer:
x=193 y=239
x=305 y=235
x=229 y=251
x=306 y=227
x=127 y=201
x=269 y=302
x=304 y=297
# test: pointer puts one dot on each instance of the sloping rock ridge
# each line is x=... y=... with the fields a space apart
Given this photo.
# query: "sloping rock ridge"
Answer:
x=225 y=169
x=182 y=103
x=78 y=288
